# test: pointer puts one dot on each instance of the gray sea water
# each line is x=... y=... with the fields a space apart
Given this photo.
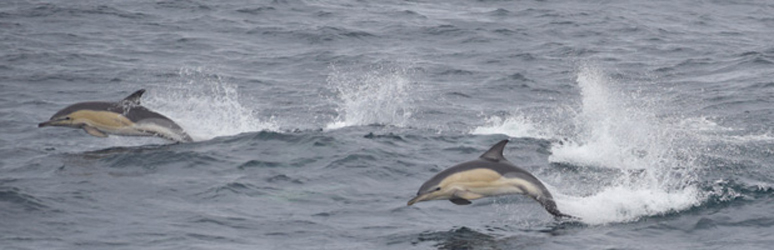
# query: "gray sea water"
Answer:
x=316 y=121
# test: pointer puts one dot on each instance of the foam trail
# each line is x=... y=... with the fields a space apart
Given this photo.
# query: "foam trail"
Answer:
x=379 y=94
x=205 y=105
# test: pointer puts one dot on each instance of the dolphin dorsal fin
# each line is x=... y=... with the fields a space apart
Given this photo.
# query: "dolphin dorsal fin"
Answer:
x=134 y=98
x=496 y=152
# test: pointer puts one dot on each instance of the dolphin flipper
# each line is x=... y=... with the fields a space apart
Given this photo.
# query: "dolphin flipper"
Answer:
x=94 y=131
x=464 y=197
x=460 y=201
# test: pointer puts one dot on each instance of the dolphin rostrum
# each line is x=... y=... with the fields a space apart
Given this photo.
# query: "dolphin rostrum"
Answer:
x=125 y=117
x=489 y=175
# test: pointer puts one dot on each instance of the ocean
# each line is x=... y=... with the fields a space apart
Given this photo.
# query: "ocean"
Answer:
x=315 y=121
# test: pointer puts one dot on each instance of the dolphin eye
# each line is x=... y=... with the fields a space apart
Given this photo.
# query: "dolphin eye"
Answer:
x=437 y=189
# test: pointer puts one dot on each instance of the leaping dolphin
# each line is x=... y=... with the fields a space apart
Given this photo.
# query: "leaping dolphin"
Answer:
x=125 y=117
x=489 y=175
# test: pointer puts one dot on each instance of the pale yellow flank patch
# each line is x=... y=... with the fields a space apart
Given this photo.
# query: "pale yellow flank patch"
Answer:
x=481 y=182
x=106 y=121
x=474 y=177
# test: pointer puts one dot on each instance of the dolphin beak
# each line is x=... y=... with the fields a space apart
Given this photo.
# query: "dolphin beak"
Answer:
x=415 y=200
x=43 y=124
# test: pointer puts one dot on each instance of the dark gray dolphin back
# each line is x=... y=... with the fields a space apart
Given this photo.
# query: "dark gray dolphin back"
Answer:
x=129 y=107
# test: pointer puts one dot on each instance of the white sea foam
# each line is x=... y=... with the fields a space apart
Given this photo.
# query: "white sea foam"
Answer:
x=205 y=105
x=618 y=130
x=622 y=203
x=747 y=138
x=702 y=124
x=514 y=126
x=378 y=94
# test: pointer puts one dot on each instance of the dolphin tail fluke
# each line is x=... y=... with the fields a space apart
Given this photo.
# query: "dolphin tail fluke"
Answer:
x=186 y=137
x=550 y=206
x=559 y=215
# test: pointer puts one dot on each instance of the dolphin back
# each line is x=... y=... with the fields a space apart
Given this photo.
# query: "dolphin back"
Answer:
x=145 y=118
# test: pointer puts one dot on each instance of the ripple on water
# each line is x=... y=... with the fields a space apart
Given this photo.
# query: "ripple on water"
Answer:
x=21 y=200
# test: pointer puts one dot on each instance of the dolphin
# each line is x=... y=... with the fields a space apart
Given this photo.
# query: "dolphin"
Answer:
x=125 y=117
x=489 y=175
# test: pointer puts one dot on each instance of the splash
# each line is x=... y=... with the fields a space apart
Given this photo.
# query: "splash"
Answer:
x=205 y=105
x=620 y=130
x=613 y=131
x=379 y=94
x=654 y=157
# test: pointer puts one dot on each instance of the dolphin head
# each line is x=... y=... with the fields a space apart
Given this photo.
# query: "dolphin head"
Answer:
x=61 y=119
x=65 y=121
x=432 y=190
x=76 y=115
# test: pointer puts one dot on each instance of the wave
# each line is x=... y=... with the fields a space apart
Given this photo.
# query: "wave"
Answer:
x=19 y=199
